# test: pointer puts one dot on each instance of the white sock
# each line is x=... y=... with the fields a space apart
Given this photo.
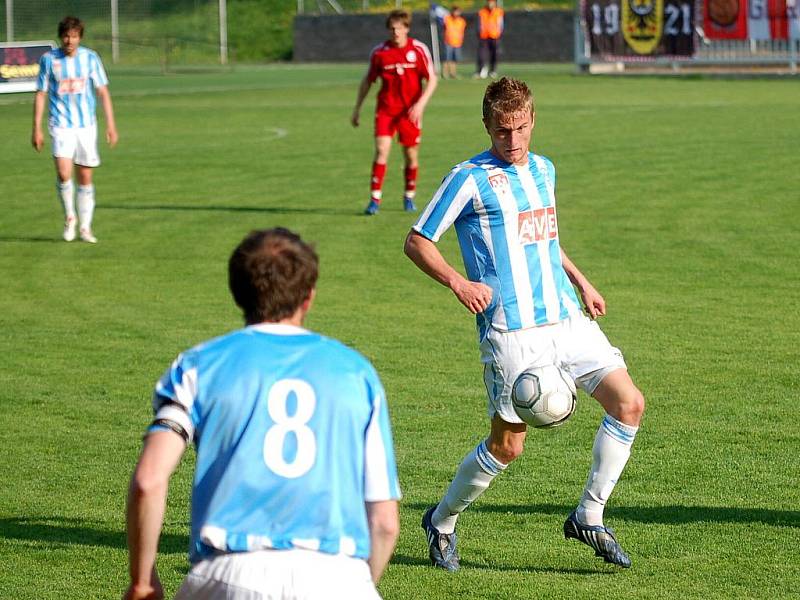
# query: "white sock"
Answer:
x=612 y=448
x=474 y=475
x=86 y=205
x=66 y=194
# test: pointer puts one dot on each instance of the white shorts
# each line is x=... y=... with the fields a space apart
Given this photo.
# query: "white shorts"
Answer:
x=575 y=345
x=79 y=144
x=279 y=575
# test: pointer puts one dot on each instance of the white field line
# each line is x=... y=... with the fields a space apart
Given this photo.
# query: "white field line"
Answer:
x=276 y=133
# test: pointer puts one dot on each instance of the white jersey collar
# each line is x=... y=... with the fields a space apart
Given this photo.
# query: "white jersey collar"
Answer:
x=278 y=329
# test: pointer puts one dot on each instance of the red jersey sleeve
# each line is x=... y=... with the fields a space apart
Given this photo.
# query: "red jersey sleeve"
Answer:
x=373 y=71
x=425 y=63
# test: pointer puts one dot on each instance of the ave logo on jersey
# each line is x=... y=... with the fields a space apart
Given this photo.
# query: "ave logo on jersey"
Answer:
x=411 y=56
x=537 y=225
x=72 y=86
x=642 y=24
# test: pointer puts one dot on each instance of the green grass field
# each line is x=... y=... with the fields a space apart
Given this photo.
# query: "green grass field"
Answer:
x=678 y=198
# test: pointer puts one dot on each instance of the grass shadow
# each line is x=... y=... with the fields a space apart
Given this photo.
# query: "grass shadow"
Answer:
x=666 y=515
x=415 y=561
x=15 y=238
x=233 y=209
x=70 y=532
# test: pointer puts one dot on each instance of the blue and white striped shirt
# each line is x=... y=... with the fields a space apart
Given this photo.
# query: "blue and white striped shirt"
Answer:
x=70 y=82
x=505 y=219
x=292 y=435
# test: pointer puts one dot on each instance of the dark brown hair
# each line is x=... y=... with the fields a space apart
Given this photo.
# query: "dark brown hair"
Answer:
x=68 y=24
x=271 y=273
x=399 y=15
x=506 y=96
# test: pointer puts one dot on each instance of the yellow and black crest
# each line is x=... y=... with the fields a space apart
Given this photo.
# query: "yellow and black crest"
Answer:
x=642 y=24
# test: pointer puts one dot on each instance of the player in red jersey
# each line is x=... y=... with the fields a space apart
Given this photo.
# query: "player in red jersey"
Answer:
x=402 y=63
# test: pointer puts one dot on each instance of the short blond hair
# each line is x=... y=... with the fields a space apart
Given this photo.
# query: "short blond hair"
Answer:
x=506 y=96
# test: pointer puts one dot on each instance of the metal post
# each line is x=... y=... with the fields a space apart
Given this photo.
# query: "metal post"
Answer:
x=300 y=8
x=581 y=48
x=223 y=32
x=437 y=65
x=115 y=31
x=336 y=6
x=9 y=20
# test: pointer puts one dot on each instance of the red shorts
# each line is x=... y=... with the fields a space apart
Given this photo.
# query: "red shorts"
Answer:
x=407 y=133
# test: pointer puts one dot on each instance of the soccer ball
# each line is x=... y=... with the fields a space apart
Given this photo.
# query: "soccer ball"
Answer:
x=544 y=397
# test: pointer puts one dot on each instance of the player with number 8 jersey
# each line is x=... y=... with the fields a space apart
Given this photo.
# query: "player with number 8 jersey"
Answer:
x=300 y=394
x=293 y=440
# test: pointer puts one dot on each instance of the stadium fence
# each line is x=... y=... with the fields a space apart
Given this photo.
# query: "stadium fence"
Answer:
x=735 y=55
x=179 y=32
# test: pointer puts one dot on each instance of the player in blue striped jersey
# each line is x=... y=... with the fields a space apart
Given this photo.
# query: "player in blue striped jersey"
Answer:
x=69 y=77
x=295 y=489
x=520 y=284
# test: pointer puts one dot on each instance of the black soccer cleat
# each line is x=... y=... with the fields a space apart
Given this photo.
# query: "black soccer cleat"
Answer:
x=600 y=538
x=441 y=546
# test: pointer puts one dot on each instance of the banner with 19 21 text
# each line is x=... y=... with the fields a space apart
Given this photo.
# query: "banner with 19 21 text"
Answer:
x=639 y=29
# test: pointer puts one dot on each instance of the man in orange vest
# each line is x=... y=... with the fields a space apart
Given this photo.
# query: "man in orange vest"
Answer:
x=490 y=20
x=454 y=25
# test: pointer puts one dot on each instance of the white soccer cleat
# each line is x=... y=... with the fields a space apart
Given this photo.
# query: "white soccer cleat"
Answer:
x=86 y=236
x=69 y=229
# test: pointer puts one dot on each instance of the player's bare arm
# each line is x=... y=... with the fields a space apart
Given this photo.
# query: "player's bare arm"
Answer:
x=37 y=137
x=147 y=497
x=594 y=303
x=108 y=109
x=474 y=295
x=418 y=108
x=363 y=90
x=384 y=529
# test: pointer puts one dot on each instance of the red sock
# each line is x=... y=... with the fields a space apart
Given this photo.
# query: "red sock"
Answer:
x=376 y=183
x=411 y=180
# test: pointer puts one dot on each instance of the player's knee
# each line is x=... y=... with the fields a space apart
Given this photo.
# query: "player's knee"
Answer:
x=382 y=153
x=85 y=176
x=631 y=406
x=506 y=451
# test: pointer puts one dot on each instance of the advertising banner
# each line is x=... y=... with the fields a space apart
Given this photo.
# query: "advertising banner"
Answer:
x=725 y=19
x=19 y=65
x=760 y=20
x=639 y=29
